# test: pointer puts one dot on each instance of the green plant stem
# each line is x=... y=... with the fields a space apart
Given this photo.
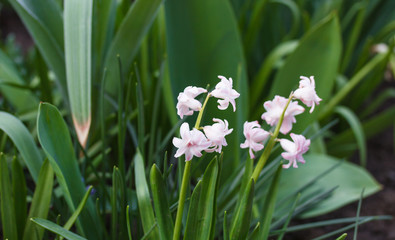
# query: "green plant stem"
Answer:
x=181 y=200
x=185 y=180
x=269 y=146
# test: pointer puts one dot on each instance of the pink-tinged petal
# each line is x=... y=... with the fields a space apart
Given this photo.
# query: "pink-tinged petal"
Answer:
x=274 y=110
x=186 y=101
x=254 y=135
x=306 y=92
x=191 y=143
x=294 y=150
x=225 y=92
x=216 y=134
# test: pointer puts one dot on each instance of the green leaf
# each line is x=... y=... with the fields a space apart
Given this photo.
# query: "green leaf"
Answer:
x=45 y=24
x=23 y=141
x=23 y=100
x=161 y=204
x=201 y=213
x=204 y=42
x=128 y=39
x=53 y=227
x=342 y=237
x=8 y=218
x=242 y=216
x=318 y=54
x=349 y=178
x=56 y=141
x=41 y=202
x=78 y=45
x=143 y=197
x=19 y=194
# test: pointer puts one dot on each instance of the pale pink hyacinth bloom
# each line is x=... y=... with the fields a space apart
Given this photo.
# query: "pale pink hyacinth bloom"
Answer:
x=254 y=135
x=306 y=92
x=216 y=134
x=275 y=108
x=186 y=101
x=294 y=150
x=224 y=90
x=191 y=142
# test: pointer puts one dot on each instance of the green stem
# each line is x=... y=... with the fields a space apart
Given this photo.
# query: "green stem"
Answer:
x=185 y=181
x=200 y=116
x=181 y=200
x=269 y=146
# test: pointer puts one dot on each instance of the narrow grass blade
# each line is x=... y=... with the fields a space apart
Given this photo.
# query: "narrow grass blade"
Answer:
x=342 y=237
x=143 y=197
x=161 y=205
x=8 y=218
x=23 y=141
x=128 y=222
x=255 y=233
x=19 y=194
x=204 y=209
x=78 y=44
x=41 y=202
x=357 y=129
x=291 y=212
x=22 y=99
x=56 y=141
x=128 y=39
x=77 y=212
x=270 y=204
x=242 y=218
x=53 y=227
x=225 y=228
x=46 y=27
x=357 y=217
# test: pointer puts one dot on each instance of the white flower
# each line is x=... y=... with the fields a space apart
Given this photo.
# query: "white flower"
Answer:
x=186 y=101
x=224 y=90
x=306 y=92
x=294 y=150
x=275 y=108
x=216 y=134
x=191 y=143
x=254 y=135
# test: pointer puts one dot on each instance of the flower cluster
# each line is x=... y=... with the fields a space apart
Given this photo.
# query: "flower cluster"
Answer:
x=212 y=139
x=255 y=135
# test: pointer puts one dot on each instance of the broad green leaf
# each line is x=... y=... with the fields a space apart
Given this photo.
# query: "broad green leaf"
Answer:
x=45 y=24
x=242 y=216
x=349 y=178
x=318 y=54
x=23 y=141
x=204 y=42
x=53 y=227
x=19 y=194
x=56 y=141
x=78 y=45
x=161 y=204
x=21 y=99
x=202 y=212
x=8 y=218
x=128 y=39
x=41 y=202
x=143 y=197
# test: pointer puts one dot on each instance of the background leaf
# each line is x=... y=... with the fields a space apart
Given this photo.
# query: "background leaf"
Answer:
x=23 y=141
x=349 y=178
x=53 y=227
x=56 y=142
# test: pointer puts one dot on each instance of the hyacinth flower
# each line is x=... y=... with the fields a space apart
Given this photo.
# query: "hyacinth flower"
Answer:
x=306 y=92
x=255 y=135
x=294 y=150
x=193 y=142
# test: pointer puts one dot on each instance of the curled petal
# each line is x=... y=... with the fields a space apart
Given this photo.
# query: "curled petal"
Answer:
x=226 y=94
